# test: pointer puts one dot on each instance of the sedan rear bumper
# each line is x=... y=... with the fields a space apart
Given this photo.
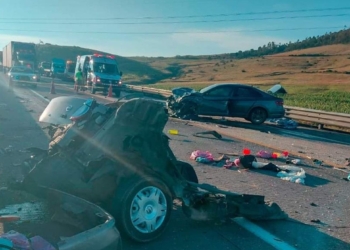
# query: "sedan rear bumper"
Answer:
x=277 y=114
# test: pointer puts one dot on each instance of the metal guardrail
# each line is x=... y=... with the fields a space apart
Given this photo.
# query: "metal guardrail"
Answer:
x=318 y=117
x=162 y=92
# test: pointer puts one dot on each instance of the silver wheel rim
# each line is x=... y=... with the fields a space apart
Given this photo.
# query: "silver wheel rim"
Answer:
x=258 y=115
x=148 y=209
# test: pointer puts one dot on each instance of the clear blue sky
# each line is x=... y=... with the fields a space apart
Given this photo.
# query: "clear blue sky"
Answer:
x=61 y=20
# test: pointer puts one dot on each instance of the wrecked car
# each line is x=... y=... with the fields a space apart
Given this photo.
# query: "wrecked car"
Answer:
x=226 y=99
x=32 y=219
x=117 y=156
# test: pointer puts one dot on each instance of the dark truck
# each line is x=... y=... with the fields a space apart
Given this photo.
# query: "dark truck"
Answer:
x=117 y=155
x=61 y=220
x=45 y=68
x=19 y=54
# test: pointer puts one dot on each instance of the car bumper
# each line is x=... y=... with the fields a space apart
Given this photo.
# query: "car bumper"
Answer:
x=20 y=82
x=277 y=114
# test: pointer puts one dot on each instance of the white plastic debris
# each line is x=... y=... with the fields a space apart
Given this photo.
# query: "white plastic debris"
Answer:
x=292 y=174
x=296 y=161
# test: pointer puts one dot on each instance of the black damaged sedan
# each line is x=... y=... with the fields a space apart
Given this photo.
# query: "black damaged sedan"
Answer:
x=226 y=99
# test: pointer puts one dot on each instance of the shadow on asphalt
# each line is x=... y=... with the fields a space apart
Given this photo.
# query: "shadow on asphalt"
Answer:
x=186 y=234
x=300 y=132
x=304 y=236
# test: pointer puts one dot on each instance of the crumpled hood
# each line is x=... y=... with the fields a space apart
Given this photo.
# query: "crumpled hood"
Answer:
x=108 y=76
x=182 y=92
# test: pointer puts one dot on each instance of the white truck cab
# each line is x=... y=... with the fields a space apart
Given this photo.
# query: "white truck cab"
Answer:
x=100 y=72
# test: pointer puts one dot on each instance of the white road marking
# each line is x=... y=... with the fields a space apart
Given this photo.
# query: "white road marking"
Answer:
x=262 y=234
x=42 y=97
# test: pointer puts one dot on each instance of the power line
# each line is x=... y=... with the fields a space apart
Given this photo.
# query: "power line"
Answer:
x=174 y=32
x=189 y=16
x=197 y=21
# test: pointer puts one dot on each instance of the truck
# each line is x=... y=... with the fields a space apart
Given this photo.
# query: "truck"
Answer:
x=57 y=67
x=19 y=54
x=45 y=68
x=45 y=218
x=100 y=72
x=69 y=71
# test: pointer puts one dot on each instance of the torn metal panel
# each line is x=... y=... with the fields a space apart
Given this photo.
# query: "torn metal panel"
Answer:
x=107 y=146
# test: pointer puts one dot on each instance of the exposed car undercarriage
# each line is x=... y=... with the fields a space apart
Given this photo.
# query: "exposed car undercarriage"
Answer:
x=116 y=155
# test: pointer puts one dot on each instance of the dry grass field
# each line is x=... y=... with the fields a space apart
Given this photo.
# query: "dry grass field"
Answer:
x=316 y=78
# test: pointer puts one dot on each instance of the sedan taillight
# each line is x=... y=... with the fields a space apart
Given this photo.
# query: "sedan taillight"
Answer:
x=279 y=102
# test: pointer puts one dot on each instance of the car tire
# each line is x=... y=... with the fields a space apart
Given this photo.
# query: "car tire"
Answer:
x=147 y=200
x=187 y=171
x=258 y=116
x=188 y=109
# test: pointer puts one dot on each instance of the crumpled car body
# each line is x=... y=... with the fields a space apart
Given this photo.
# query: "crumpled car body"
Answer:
x=226 y=99
x=117 y=155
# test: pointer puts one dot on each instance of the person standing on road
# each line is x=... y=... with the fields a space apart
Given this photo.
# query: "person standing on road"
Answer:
x=78 y=80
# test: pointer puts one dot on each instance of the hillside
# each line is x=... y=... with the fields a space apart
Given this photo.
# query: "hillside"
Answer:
x=134 y=71
x=317 y=78
x=322 y=65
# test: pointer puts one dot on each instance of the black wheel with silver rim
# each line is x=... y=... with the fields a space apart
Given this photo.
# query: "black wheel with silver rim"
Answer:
x=142 y=208
x=258 y=116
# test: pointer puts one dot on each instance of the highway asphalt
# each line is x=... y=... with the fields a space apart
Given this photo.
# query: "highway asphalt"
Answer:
x=325 y=197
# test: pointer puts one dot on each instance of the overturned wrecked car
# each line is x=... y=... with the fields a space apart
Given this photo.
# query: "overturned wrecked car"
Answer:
x=117 y=156
x=226 y=99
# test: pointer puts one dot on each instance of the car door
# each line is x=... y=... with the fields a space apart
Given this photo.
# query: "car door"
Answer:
x=243 y=100
x=215 y=101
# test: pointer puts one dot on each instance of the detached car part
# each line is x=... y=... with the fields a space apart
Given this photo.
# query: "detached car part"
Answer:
x=117 y=155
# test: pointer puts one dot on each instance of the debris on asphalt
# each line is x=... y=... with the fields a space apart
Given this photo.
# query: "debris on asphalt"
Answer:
x=206 y=157
x=173 y=132
x=209 y=132
x=348 y=162
x=232 y=162
x=347 y=178
x=313 y=204
x=284 y=122
x=316 y=221
x=317 y=162
x=264 y=154
x=202 y=155
x=203 y=160
x=288 y=173
x=221 y=126
x=296 y=161
x=20 y=241
x=246 y=151
x=292 y=174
